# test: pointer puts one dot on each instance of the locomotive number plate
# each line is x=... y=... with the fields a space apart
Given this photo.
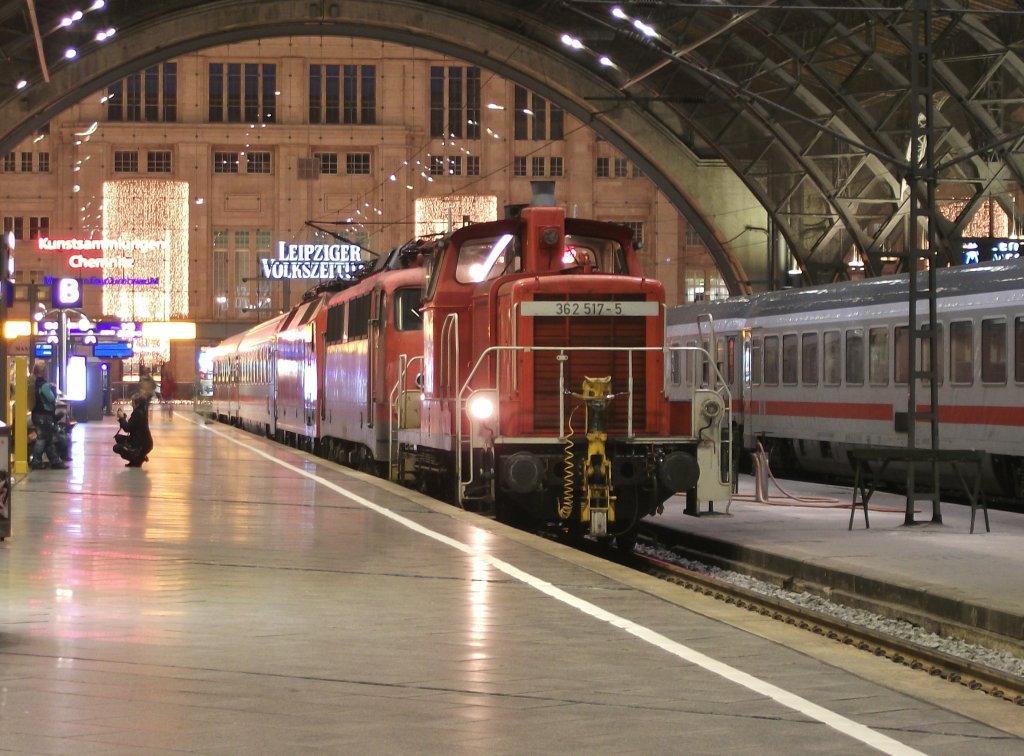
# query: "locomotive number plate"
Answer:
x=589 y=309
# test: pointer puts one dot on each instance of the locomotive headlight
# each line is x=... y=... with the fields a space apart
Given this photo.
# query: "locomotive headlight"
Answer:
x=482 y=405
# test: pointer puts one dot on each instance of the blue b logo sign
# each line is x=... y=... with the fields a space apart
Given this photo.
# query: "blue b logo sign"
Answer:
x=67 y=292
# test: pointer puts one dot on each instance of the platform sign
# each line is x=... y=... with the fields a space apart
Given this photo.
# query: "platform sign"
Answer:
x=44 y=350
x=113 y=350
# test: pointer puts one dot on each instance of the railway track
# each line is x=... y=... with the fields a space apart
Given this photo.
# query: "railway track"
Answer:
x=956 y=670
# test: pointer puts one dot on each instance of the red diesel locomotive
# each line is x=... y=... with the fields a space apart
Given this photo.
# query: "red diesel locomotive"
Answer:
x=516 y=367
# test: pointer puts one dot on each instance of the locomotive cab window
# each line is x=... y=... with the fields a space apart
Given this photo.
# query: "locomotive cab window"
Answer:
x=993 y=351
x=483 y=259
x=592 y=253
x=407 y=309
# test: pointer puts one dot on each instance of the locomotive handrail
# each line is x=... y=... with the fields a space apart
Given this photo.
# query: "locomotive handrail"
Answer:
x=396 y=407
x=449 y=374
x=723 y=391
x=466 y=388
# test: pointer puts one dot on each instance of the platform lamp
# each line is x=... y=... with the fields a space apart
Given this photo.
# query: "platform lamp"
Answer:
x=67 y=295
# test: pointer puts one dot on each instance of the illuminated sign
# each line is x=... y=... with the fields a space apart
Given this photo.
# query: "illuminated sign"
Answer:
x=112 y=350
x=110 y=281
x=123 y=246
x=81 y=261
x=67 y=292
x=319 y=261
x=76 y=380
x=169 y=329
x=988 y=249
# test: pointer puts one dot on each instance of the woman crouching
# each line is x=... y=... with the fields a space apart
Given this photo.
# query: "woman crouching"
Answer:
x=136 y=441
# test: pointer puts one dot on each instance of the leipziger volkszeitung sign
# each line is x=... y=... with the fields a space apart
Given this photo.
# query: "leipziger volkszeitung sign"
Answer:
x=320 y=261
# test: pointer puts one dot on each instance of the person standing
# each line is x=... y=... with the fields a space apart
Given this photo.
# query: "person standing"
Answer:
x=168 y=389
x=44 y=418
x=147 y=386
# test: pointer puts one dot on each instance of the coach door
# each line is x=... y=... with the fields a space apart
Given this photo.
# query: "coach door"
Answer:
x=270 y=365
x=375 y=392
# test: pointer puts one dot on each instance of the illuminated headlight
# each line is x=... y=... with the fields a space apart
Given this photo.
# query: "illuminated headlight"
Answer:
x=482 y=406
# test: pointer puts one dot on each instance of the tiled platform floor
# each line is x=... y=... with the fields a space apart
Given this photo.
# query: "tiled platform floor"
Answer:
x=235 y=597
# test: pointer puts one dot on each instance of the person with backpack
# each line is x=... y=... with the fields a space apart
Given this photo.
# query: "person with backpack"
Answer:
x=43 y=403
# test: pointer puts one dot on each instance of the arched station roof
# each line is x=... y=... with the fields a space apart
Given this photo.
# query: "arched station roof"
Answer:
x=789 y=119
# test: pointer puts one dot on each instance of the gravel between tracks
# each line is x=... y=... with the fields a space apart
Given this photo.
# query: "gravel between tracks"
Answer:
x=1000 y=660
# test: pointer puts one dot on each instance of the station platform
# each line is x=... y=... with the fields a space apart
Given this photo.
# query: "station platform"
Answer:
x=234 y=596
x=938 y=575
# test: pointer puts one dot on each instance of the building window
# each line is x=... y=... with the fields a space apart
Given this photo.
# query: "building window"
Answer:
x=637 y=227
x=257 y=162
x=15 y=225
x=242 y=92
x=357 y=163
x=455 y=166
x=621 y=168
x=436 y=165
x=44 y=162
x=555 y=166
x=38 y=227
x=537 y=166
x=10 y=161
x=693 y=238
x=519 y=166
x=150 y=95
x=455 y=102
x=264 y=240
x=26 y=162
x=225 y=162
x=343 y=94
x=535 y=117
x=158 y=161
x=328 y=162
x=603 y=167
x=126 y=161
x=472 y=165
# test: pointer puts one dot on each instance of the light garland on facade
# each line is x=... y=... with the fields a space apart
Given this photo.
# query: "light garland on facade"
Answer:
x=438 y=215
x=149 y=209
x=989 y=219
